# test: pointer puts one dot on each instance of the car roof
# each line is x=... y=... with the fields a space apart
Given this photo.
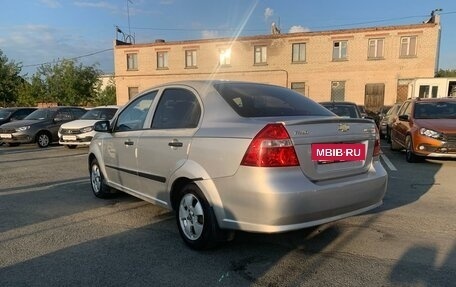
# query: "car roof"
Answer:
x=447 y=99
x=337 y=103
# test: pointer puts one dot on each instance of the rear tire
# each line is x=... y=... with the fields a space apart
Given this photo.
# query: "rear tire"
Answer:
x=71 y=146
x=196 y=220
x=97 y=181
x=388 y=135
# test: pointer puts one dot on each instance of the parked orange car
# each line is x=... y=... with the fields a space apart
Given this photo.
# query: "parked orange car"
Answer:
x=425 y=128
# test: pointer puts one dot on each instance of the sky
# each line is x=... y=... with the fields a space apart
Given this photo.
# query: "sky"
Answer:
x=35 y=32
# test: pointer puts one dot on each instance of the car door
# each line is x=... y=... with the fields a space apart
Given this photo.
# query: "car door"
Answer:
x=402 y=126
x=163 y=148
x=62 y=116
x=120 y=149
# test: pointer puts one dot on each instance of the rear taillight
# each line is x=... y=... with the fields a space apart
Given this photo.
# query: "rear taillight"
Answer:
x=271 y=147
x=377 y=150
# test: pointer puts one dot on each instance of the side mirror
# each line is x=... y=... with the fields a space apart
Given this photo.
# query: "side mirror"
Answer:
x=403 y=117
x=102 y=126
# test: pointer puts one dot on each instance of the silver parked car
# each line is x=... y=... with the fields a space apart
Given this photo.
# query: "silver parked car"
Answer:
x=238 y=156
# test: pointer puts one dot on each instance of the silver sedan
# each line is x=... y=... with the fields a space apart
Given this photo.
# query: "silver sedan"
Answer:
x=231 y=156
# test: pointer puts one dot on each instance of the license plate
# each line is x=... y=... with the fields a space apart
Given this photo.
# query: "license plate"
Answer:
x=69 y=138
x=338 y=152
x=6 y=136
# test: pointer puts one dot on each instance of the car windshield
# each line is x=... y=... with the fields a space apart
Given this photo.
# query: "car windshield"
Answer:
x=435 y=110
x=343 y=110
x=257 y=100
x=40 y=114
x=99 y=114
x=5 y=113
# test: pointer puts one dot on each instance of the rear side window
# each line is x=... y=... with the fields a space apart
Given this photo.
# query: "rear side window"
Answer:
x=177 y=109
x=258 y=100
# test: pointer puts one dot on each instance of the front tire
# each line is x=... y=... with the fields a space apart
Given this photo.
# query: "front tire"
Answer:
x=43 y=139
x=97 y=181
x=195 y=219
x=410 y=156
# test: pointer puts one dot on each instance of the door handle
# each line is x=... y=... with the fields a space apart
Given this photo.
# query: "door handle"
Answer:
x=175 y=143
x=129 y=142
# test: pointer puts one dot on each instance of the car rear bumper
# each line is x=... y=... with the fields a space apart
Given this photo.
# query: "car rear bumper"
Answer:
x=271 y=200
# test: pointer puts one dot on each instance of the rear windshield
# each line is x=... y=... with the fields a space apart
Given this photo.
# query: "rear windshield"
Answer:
x=435 y=110
x=99 y=114
x=343 y=110
x=258 y=100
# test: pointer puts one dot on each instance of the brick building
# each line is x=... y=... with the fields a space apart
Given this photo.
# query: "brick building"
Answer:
x=370 y=66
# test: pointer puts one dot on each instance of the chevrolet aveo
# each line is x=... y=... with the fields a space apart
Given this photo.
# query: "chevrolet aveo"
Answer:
x=238 y=156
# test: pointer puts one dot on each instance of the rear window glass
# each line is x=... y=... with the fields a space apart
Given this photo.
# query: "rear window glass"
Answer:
x=343 y=110
x=258 y=100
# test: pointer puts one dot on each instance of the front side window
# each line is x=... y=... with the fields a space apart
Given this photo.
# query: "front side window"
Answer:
x=177 y=109
x=162 y=60
x=340 y=50
x=190 y=58
x=299 y=53
x=260 y=55
x=375 y=50
x=63 y=115
x=408 y=46
x=134 y=115
x=132 y=61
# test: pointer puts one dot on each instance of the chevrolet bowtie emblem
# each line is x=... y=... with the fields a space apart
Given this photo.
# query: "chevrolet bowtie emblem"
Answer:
x=344 y=127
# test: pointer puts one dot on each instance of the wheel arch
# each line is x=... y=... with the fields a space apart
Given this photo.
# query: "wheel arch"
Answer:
x=192 y=172
x=43 y=131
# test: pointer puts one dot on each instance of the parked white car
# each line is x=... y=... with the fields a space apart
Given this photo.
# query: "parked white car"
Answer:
x=80 y=132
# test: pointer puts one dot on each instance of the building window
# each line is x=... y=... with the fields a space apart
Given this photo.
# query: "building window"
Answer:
x=260 y=55
x=375 y=50
x=132 y=61
x=162 y=60
x=338 y=91
x=190 y=59
x=408 y=46
x=225 y=57
x=299 y=53
x=340 y=50
x=132 y=92
x=299 y=87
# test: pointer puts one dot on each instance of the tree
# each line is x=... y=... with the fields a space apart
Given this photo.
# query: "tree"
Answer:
x=445 y=73
x=9 y=80
x=106 y=95
x=66 y=83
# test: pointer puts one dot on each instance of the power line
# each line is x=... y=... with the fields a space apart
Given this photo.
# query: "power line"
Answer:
x=315 y=27
x=74 y=58
x=230 y=30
